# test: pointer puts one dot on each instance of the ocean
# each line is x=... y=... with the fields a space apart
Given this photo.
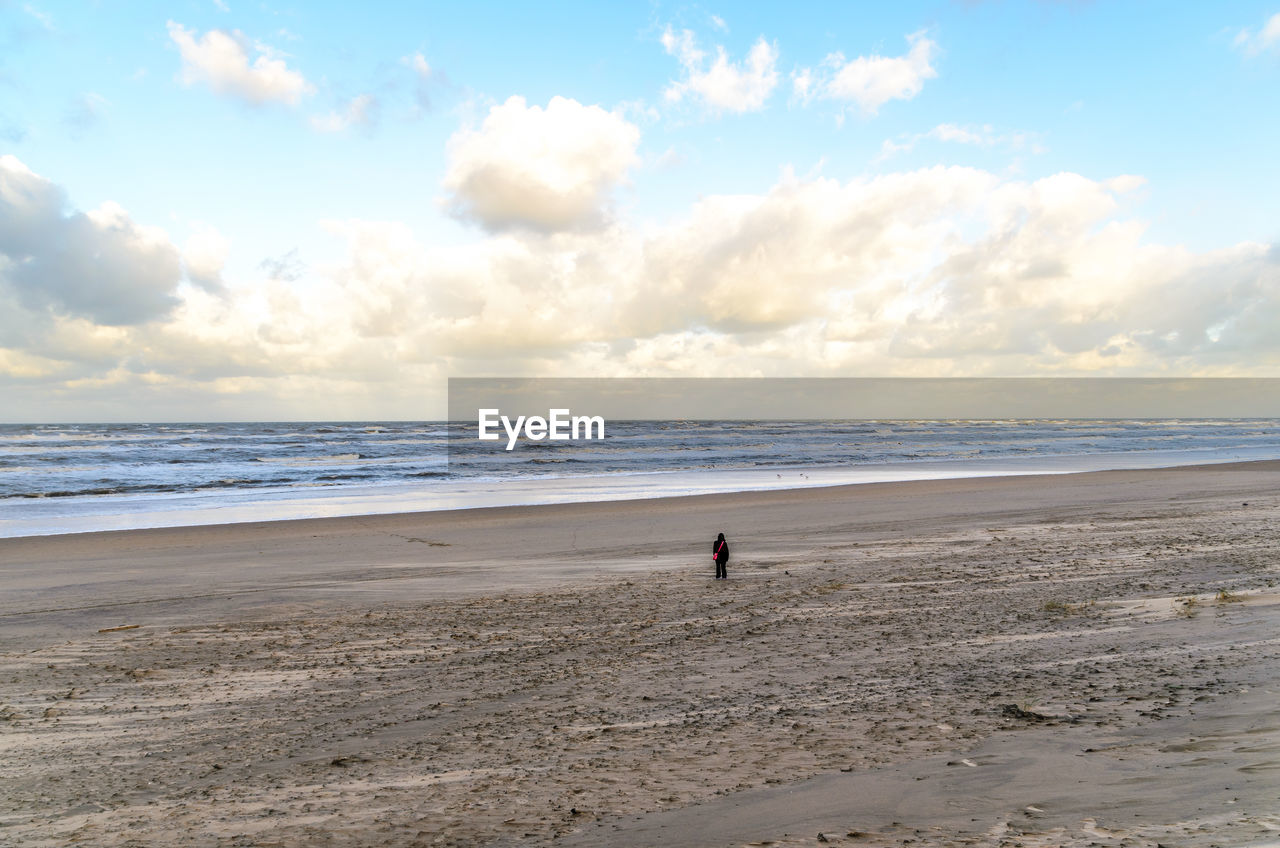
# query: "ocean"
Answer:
x=60 y=478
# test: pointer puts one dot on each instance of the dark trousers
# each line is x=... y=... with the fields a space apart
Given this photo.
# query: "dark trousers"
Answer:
x=721 y=570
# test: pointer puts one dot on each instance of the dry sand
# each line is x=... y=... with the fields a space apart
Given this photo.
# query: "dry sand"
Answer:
x=1080 y=660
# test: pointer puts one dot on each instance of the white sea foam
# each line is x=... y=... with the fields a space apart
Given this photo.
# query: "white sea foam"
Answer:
x=232 y=505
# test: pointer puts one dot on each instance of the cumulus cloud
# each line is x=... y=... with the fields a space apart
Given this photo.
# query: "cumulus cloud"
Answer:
x=1266 y=39
x=724 y=85
x=870 y=81
x=360 y=111
x=203 y=255
x=97 y=265
x=542 y=169
x=762 y=263
x=940 y=271
x=220 y=59
x=937 y=271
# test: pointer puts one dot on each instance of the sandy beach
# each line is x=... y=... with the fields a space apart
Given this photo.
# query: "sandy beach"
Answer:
x=1087 y=659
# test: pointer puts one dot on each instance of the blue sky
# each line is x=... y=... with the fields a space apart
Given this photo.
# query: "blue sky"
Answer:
x=227 y=210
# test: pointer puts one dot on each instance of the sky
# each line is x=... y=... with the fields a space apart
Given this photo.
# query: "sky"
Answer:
x=223 y=210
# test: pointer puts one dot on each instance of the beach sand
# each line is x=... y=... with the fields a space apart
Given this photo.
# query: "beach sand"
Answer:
x=1089 y=659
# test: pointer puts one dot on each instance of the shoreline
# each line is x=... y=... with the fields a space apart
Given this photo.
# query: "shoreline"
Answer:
x=46 y=517
x=966 y=661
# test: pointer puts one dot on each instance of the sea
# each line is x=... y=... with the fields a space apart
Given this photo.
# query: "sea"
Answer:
x=69 y=478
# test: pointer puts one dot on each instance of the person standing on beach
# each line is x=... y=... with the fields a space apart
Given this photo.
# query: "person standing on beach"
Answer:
x=720 y=553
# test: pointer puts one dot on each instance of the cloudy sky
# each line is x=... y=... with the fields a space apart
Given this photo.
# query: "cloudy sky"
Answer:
x=233 y=210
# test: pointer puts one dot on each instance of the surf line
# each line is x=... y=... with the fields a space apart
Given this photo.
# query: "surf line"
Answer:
x=559 y=425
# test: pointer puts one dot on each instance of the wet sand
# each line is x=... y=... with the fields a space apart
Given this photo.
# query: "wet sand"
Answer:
x=1089 y=659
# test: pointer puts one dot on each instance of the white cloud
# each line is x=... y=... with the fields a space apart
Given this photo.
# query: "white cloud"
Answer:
x=420 y=65
x=1264 y=40
x=360 y=111
x=98 y=265
x=985 y=136
x=802 y=82
x=724 y=86
x=940 y=271
x=960 y=135
x=220 y=59
x=424 y=78
x=545 y=169
x=871 y=81
x=203 y=255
